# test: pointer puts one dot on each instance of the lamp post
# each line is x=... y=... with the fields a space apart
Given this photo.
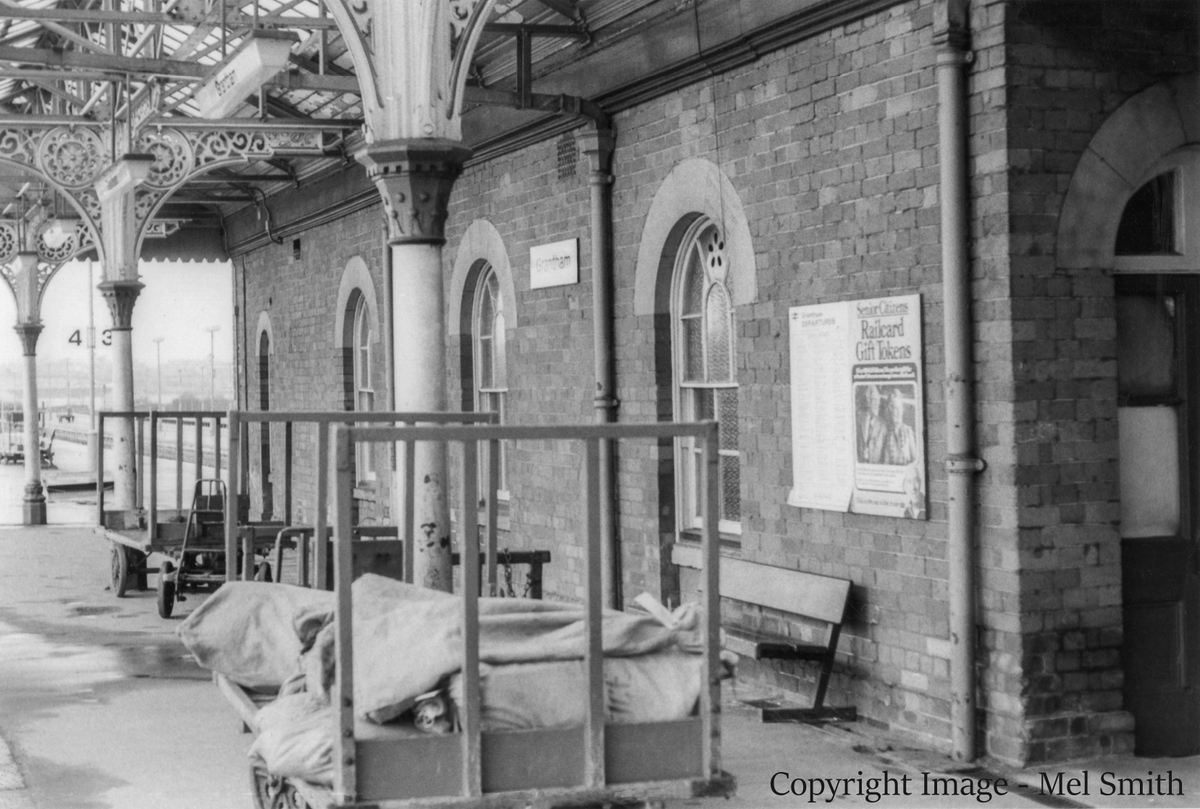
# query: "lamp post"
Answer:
x=212 y=373
x=158 y=362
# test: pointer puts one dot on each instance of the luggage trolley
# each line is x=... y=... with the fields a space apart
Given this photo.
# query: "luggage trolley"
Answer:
x=152 y=525
x=591 y=764
x=199 y=565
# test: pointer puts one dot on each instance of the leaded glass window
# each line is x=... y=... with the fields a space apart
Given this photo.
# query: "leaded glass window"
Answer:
x=705 y=365
x=364 y=385
x=491 y=375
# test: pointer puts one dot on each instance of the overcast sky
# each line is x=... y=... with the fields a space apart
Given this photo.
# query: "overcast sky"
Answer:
x=179 y=303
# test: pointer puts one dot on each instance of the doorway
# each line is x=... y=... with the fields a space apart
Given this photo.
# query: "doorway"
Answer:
x=1158 y=389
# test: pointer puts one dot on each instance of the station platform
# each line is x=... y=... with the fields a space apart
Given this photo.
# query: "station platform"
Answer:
x=102 y=708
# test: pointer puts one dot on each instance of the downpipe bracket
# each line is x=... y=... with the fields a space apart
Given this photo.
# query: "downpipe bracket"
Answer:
x=964 y=465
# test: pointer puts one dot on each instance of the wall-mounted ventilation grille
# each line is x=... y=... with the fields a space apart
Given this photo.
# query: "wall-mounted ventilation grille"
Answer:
x=568 y=155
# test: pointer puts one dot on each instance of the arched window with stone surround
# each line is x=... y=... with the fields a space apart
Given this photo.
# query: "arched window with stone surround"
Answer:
x=705 y=369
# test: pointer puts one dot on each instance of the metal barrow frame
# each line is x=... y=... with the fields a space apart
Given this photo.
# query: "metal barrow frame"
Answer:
x=255 y=539
x=135 y=534
x=139 y=532
x=588 y=765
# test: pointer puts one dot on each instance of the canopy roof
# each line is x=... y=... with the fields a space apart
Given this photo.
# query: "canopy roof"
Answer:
x=99 y=59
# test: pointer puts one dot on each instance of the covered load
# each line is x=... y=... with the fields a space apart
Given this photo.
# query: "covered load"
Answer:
x=408 y=652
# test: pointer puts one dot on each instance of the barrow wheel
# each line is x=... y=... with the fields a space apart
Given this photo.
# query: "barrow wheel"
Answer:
x=166 y=590
x=119 y=570
x=273 y=792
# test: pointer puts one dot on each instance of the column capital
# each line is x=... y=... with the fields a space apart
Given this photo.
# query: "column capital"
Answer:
x=28 y=332
x=414 y=178
x=121 y=295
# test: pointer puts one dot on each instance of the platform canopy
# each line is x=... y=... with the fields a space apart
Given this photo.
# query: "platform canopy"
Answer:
x=283 y=62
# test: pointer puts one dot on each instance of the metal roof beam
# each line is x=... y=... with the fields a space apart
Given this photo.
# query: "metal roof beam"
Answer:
x=232 y=20
x=9 y=8
x=536 y=29
x=563 y=7
x=126 y=64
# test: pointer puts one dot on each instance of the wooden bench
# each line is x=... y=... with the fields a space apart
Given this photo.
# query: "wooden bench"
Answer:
x=819 y=600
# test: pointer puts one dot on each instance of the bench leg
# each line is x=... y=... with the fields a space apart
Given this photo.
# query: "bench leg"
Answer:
x=822 y=683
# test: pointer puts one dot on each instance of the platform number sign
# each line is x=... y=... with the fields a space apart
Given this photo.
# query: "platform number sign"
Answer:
x=76 y=338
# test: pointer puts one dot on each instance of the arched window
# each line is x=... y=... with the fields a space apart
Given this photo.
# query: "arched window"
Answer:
x=1148 y=223
x=705 y=369
x=491 y=375
x=364 y=385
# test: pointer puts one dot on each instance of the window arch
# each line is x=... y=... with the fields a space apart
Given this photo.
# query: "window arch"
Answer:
x=1156 y=232
x=490 y=355
x=705 y=369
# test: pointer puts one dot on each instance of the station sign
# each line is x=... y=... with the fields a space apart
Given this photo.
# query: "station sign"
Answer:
x=259 y=58
x=554 y=265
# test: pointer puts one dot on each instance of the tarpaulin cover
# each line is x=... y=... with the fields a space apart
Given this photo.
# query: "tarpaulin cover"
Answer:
x=408 y=641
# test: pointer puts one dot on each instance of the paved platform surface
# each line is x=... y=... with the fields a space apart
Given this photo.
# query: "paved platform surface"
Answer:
x=102 y=708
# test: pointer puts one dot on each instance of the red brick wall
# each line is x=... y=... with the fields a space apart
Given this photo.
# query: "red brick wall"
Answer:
x=1068 y=67
x=832 y=147
x=307 y=367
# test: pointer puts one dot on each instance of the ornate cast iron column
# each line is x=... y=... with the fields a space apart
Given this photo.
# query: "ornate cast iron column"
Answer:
x=120 y=296
x=415 y=178
x=29 y=326
x=412 y=58
x=119 y=234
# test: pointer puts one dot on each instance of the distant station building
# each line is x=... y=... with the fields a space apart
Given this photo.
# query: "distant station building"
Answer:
x=932 y=265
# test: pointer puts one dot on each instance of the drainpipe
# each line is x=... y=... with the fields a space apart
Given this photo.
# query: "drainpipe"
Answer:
x=597 y=144
x=961 y=463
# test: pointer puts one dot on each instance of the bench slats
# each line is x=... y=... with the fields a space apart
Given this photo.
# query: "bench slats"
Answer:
x=808 y=595
x=771 y=647
x=794 y=591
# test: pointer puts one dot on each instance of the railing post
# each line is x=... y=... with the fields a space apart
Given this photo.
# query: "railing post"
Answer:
x=231 y=501
x=287 y=472
x=179 y=463
x=217 y=444
x=100 y=470
x=345 y=748
x=472 y=774
x=139 y=468
x=489 y=492
x=153 y=520
x=321 y=541
x=593 y=574
x=410 y=488
x=710 y=693
x=199 y=446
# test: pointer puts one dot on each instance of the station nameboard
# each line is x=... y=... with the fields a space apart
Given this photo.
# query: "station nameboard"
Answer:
x=554 y=265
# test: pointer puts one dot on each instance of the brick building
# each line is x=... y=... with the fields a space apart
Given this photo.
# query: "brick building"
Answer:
x=775 y=156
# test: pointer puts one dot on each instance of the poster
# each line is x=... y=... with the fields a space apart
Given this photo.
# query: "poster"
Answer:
x=858 y=420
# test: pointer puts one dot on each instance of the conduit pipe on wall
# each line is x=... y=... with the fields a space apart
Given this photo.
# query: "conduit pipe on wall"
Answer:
x=961 y=463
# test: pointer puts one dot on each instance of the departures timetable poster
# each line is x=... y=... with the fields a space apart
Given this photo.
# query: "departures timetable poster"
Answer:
x=858 y=416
